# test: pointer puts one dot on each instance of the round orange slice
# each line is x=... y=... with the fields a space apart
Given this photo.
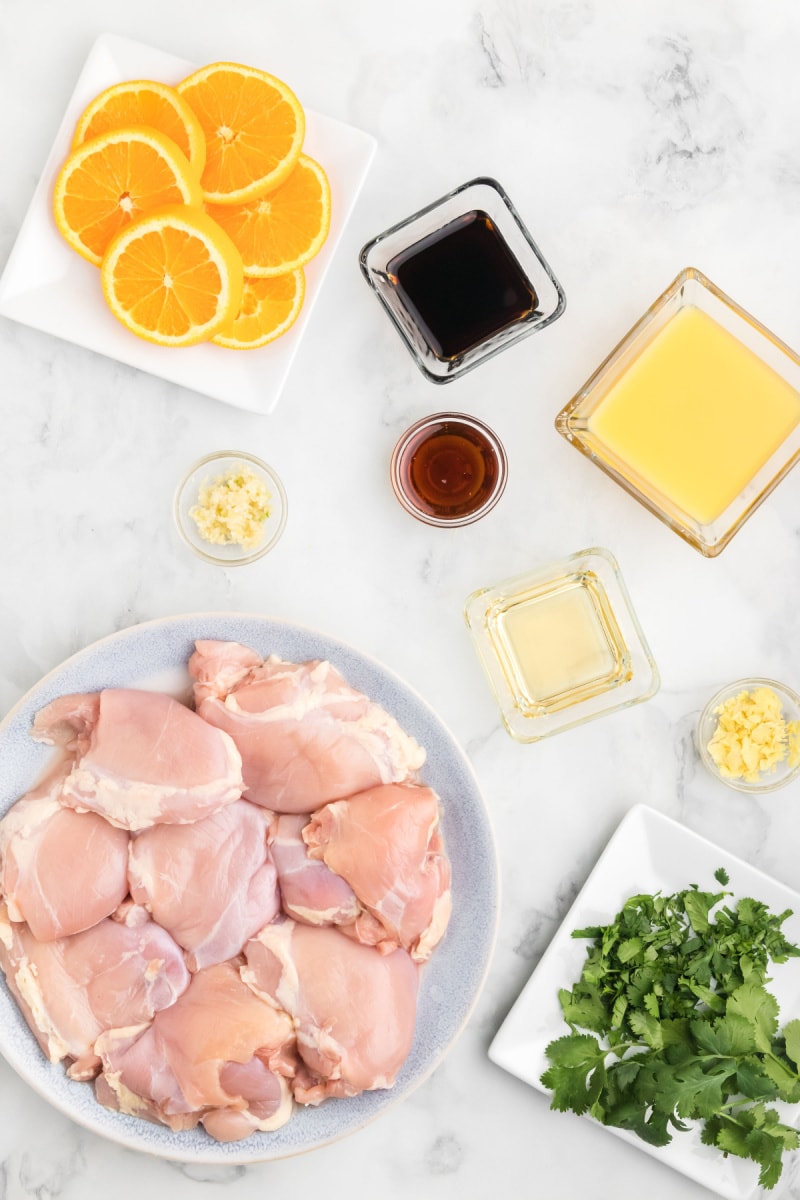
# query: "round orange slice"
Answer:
x=173 y=277
x=284 y=230
x=145 y=102
x=254 y=129
x=269 y=307
x=109 y=181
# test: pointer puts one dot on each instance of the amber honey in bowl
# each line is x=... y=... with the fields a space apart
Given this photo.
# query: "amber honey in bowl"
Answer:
x=448 y=469
x=461 y=284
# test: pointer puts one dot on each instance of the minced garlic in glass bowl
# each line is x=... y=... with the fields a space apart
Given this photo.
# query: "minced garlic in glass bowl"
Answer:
x=749 y=735
x=230 y=508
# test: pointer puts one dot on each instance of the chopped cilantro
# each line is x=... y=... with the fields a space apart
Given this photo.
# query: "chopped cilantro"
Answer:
x=672 y=1022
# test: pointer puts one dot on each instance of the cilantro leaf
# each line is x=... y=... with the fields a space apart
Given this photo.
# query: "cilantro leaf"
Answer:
x=681 y=1027
x=575 y=1050
x=573 y=1058
x=758 y=1006
x=732 y=1034
x=791 y=1034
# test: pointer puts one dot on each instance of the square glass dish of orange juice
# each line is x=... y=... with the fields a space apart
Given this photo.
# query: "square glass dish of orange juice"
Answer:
x=696 y=412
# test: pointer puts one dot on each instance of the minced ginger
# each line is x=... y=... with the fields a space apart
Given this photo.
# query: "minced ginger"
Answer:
x=232 y=508
x=752 y=736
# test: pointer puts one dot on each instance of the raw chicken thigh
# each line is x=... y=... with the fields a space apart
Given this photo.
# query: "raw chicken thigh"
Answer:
x=354 y=1009
x=310 y=891
x=305 y=736
x=142 y=882
x=385 y=843
x=211 y=884
x=73 y=989
x=141 y=758
x=219 y=1055
x=61 y=871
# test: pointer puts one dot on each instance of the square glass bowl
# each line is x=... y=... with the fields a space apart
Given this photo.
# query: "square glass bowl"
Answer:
x=561 y=645
x=696 y=412
x=462 y=279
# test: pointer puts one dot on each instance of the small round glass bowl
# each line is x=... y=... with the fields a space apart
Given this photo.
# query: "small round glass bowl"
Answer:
x=187 y=496
x=768 y=781
x=448 y=469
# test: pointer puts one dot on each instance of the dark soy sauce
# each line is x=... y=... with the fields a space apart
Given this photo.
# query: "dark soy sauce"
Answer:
x=449 y=469
x=462 y=284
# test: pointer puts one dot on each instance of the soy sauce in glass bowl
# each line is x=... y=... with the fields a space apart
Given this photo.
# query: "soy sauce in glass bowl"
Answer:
x=449 y=469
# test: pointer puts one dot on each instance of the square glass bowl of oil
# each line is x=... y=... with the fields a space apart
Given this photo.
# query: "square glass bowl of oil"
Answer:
x=462 y=279
x=696 y=412
x=561 y=645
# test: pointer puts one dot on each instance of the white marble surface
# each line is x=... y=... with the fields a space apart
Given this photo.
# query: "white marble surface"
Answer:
x=635 y=139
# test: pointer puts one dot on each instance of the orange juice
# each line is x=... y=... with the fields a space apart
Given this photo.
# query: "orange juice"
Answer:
x=696 y=415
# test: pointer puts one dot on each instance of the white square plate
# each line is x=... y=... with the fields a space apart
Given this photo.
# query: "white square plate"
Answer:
x=47 y=285
x=647 y=853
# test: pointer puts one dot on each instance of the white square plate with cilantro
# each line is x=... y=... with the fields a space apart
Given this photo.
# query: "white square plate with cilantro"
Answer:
x=649 y=853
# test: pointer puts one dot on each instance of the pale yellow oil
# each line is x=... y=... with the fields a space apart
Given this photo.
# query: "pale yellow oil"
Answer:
x=559 y=643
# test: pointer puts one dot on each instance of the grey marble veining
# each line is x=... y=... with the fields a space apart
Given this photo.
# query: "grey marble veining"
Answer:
x=634 y=139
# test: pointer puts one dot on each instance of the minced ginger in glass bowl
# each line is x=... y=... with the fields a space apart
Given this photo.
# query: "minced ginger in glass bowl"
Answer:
x=749 y=735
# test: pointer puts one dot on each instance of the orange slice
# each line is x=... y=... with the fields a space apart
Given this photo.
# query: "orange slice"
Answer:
x=145 y=102
x=254 y=128
x=109 y=181
x=284 y=230
x=173 y=277
x=269 y=307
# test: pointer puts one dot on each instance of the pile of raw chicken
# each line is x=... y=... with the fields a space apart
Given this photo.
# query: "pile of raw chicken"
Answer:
x=214 y=913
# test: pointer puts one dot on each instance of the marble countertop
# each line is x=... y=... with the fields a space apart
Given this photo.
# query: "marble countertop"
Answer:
x=635 y=139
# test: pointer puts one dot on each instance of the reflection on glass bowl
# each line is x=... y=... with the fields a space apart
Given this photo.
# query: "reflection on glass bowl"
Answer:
x=204 y=472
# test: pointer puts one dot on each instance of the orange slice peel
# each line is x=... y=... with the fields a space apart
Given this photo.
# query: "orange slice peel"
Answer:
x=145 y=102
x=173 y=277
x=110 y=180
x=254 y=128
x=285 y=229
x=268 y=309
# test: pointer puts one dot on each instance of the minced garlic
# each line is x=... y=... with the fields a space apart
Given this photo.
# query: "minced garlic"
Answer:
x=232 y=508
x=752 y=736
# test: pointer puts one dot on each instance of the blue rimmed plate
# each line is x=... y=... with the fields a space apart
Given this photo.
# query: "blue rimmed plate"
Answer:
x=154 y=655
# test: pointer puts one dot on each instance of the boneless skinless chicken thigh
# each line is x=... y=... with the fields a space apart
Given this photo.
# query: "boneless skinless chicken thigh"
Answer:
x=386 y=844
x=140 y=758
x=354 y=1009
x=306 y=737
x=220 y=1054
x=72 y=989
x=212 y=884
x=310 y=891
x=142 y=882
x=60 y=871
